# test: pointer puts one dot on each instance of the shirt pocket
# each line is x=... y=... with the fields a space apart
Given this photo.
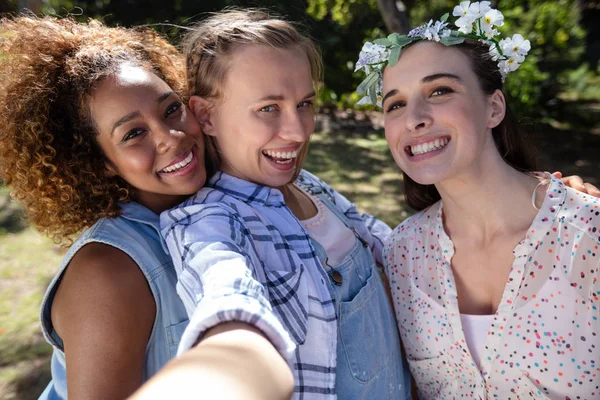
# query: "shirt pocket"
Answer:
x=174 y=333
x=288 y=295
x=367 y=330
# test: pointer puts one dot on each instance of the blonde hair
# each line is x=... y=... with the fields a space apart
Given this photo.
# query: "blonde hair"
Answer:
x=211 y=42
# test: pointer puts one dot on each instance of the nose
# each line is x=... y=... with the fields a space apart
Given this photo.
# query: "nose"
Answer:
x=417 y=115
x=167 y=138
x=297 y=125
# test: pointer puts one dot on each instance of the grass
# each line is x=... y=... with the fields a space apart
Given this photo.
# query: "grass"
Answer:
x=27 y=263
x=348 y=154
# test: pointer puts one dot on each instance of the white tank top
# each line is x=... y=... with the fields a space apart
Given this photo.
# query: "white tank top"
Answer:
x=476 y=329
x=329 y=231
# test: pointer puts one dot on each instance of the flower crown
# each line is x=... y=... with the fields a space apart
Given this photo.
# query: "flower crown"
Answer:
x=476 y=21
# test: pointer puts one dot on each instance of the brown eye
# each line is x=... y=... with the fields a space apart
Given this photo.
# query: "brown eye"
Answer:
x=395 y=105
x=173 y=108
x=132 y=134
x=441 y=91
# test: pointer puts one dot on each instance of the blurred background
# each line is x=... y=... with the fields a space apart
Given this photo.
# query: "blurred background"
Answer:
x=555 y=93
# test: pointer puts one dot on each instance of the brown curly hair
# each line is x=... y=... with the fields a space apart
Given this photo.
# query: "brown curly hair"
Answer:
x=49 y=155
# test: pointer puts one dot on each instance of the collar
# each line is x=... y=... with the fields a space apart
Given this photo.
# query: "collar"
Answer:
x=136 y=212
x=245 y=191
x=553 y=201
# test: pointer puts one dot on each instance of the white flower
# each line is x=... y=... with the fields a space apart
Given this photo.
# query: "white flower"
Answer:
x=510 y=64
x=491 y=19
x=367 y=98
x=465 y=24
x=462 y=9
x=465 y=21
x=371 y=53
x=479 y=9
x=435 y=31
x=364 y=100
x=515 y=46
x=494 y=52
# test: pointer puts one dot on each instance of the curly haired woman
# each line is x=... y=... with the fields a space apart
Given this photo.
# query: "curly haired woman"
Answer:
x=95 y=136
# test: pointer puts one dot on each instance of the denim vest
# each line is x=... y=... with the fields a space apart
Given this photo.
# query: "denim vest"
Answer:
x=137 y=233
x=370 y=363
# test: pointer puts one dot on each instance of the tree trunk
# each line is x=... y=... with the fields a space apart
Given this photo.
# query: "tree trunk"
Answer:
x=395 y=19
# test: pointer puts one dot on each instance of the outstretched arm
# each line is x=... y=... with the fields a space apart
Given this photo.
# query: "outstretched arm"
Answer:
x=233 y=361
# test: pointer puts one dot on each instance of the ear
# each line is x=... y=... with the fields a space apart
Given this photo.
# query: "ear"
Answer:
x=110 y=171
x=201 y=108
x=497 y=107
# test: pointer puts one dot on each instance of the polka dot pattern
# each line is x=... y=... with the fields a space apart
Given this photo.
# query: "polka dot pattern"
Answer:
x=543 y=342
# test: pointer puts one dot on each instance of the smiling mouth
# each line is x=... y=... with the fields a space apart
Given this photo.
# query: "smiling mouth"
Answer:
x=279 y=157
x=180 y=165
x=428 y=147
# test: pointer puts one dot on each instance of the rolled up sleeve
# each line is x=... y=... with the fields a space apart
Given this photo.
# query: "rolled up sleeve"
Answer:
x=217 y=269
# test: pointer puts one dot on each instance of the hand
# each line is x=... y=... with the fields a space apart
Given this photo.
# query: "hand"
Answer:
x=575 y=182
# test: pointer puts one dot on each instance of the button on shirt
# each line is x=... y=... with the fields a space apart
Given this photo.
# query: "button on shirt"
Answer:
x=241 y=255
x=543 y=341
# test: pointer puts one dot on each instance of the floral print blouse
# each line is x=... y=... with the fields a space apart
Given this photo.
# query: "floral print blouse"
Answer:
x=543 y=341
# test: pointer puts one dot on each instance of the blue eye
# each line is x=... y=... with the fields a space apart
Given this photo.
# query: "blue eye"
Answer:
x=132 y=134
x=306 y=103
x=173 y=108
x=268 y=108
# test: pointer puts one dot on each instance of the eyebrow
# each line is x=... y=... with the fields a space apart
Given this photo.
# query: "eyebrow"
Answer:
x=427 y=79
x=136 y=114
x=279 y=97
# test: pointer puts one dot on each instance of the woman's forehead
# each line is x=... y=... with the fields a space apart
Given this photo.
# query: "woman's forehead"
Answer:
x=426 y=59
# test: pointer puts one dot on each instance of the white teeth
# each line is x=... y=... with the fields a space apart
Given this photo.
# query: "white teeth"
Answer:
x=429 y=146
x=180 y=164
x=284 y=157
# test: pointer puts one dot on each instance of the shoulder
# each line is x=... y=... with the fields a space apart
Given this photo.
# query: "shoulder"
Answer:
x=208 y=203
x=416 y=224
x=581 y=211
x=101 y=282
x=310 y=180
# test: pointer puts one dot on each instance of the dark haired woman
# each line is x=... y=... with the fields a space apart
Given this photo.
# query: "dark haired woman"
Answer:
x=94 y=134
x=495 y=282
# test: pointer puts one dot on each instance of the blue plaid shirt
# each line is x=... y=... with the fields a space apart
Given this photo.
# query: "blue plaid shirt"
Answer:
x=241 y=255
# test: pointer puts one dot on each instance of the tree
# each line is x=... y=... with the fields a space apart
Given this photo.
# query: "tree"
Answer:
x=395 y=16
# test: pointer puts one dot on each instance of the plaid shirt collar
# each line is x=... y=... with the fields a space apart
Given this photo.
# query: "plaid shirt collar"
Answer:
x=248 y=192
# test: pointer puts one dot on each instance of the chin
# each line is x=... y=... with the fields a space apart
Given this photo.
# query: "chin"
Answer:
x=426 y=178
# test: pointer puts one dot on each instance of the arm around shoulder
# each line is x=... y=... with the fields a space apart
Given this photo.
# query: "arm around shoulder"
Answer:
x=232 y=361
x=104 y=312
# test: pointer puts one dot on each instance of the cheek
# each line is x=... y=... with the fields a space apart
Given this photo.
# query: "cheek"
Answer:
x=392 y=136
x=308 y=121
x=191 y=127
x=134 y=159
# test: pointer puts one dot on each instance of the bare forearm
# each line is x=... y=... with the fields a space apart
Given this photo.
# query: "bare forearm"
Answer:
x=234 y=361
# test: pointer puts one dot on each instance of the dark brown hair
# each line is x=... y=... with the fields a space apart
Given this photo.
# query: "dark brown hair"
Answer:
x=208 y=47
x=48 y=151
x=513 y=146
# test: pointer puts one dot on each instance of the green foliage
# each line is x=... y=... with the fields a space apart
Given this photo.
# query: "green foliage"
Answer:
x=557 y=46
x=340 y=27
x=581 y=84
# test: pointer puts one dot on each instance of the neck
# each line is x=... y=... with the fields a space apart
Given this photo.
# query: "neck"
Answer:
x=299 y=203
x=488 y=201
